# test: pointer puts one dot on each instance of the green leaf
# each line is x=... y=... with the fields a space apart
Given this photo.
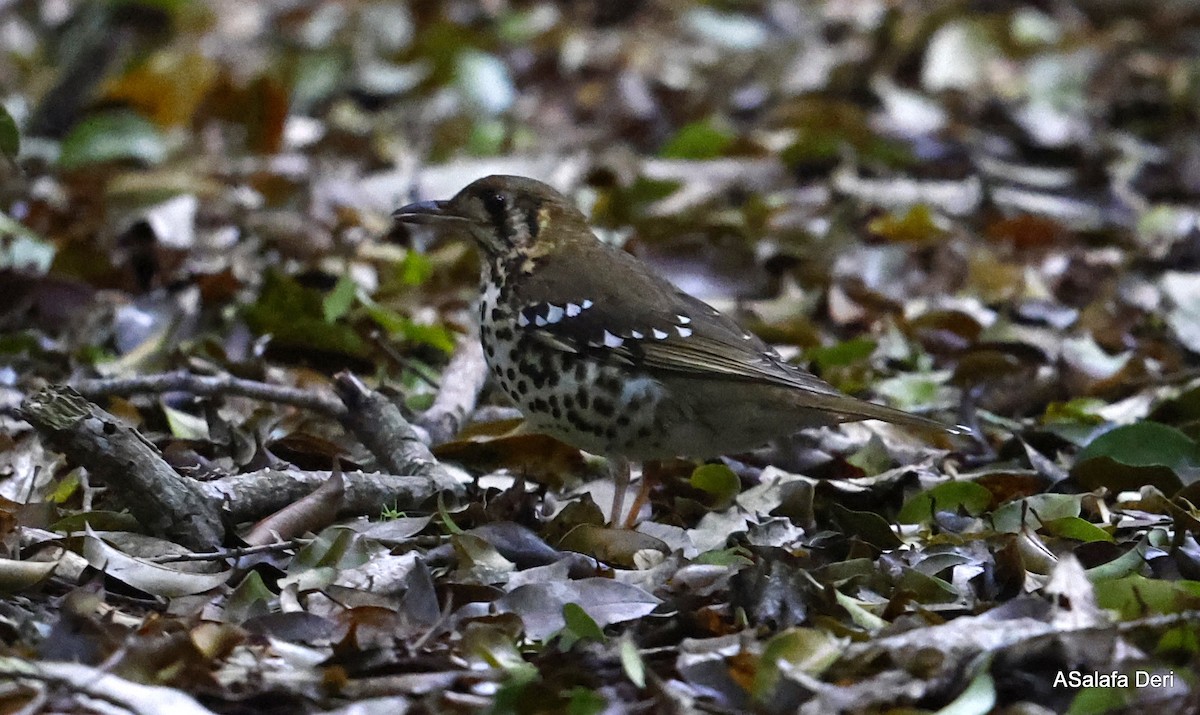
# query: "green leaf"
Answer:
x=10 y=138
x=1072 y=527
x=447 y=519
x=579 y=626
x=1035 y=510
x=915 y=390
x=339 y=300
x=734 y=557
x=112 y=136
x=805 y=649
x=951 y=496
x=585 y=702
x=399 y=326
x=868 y=526
x=841 y=354
x=294 y=315
x=185 y=425
x=698 y=140
x=1129 y=562
x=1144 y=453
x=22 y=248
x=979 y=698
x=717 y=480
x=631 y=661
x=1135 y=596
x=872 y=458
x=415 y=269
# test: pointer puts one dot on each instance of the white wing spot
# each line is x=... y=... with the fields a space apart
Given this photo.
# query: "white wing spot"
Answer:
x=612 y=341
x=683 y=319
x=573 y=310
x=636 y=335
x=522 y=320
x=746 y=336
x=586 y=303
x=554 y=314
x=683 y=332
x=540 y=321
x=659 y=334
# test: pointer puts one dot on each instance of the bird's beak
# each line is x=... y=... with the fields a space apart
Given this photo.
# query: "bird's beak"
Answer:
x=425 y=212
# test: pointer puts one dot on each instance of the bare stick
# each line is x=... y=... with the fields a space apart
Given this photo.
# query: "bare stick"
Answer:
x=462 y=382
x=166 y=503
x=211 y=385
x=380 y=426
x=250 y=496
x=230 y=553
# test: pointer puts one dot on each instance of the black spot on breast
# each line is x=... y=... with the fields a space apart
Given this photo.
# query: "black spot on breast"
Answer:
x=580 y=372
x=539 y=405
x=644 y=432
x=496 y=317
x=568 y=401
x=511 y=373
x=522 y=386
x=581 y=396
x=490 y=350
x=504 y=333
x=603 y=407
x=608 y=383
x=623 y=420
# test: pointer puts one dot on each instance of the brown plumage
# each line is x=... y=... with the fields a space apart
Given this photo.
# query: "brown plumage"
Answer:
x=603 y=353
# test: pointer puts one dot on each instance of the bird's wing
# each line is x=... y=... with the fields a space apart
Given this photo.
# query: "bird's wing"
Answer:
x=688 y=339
x=692 y=339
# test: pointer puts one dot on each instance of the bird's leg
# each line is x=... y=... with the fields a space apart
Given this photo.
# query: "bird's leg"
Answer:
x=649 y=472
x=620 y=468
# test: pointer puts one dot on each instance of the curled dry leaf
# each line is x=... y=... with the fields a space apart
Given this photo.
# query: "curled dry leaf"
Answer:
x=151 y=578
x=312 y=513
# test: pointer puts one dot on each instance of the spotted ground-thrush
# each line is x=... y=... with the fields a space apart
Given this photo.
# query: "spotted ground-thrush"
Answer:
x=599 y=351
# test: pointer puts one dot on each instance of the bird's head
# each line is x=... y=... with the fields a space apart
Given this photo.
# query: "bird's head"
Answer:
x=506 y=216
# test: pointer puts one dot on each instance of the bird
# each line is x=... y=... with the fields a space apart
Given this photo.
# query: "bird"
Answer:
x=598 y=350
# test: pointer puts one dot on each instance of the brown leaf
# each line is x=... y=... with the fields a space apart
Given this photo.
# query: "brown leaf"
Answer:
x=311 y=513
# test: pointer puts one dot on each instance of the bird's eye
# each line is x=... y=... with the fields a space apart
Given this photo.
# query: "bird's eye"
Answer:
x=495 y=204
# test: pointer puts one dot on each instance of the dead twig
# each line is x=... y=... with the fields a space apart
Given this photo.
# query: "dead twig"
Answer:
x=250 y=496
x=211 y=386
x=462 y=381
x=235 y=553
x=168 y=504
x=383 y=429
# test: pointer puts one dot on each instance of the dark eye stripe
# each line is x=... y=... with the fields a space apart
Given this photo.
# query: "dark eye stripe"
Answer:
x=531 y=220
